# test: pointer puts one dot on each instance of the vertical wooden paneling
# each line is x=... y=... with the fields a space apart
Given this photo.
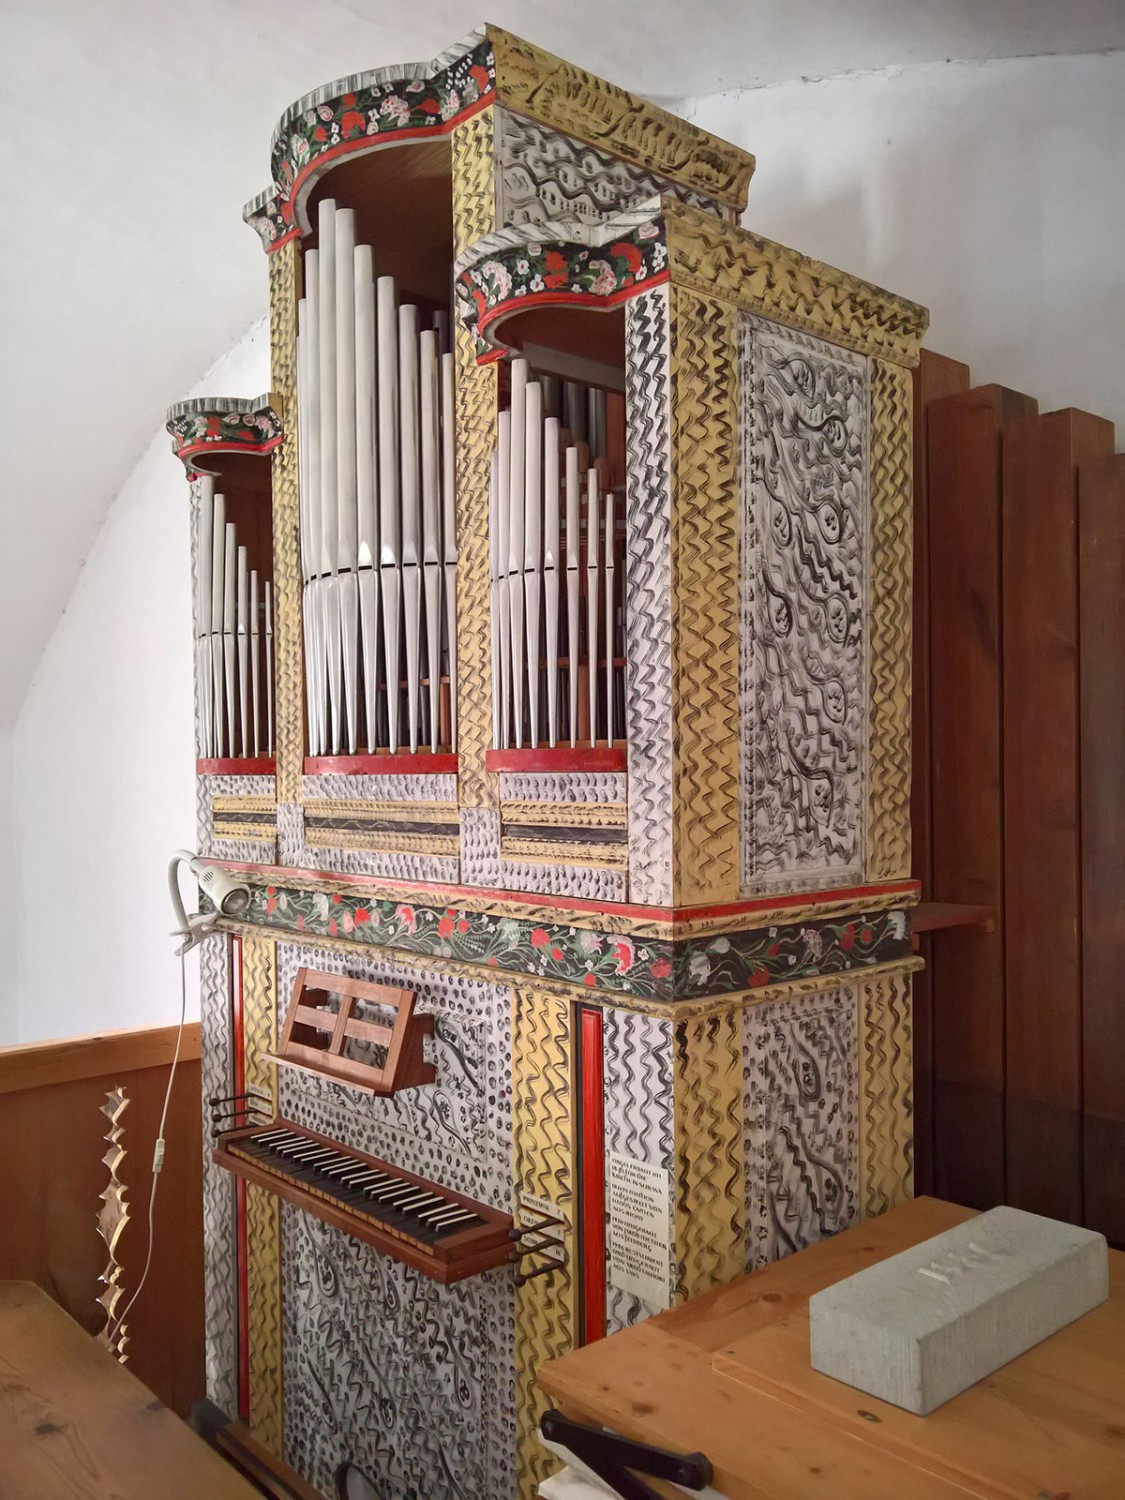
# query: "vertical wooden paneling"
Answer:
x=967 y=849
x=53 y=1176
x=1041 y=806
x=934 y=378
x=1101 y=574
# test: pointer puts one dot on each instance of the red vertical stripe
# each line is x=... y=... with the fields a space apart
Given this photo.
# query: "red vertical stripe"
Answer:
x=593 y=1177
x=239 y=1076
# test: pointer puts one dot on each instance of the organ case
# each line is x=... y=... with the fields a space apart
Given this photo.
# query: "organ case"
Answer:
x=636 y=563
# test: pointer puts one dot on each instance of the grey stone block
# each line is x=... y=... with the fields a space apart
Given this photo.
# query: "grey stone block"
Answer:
x=925 y=1324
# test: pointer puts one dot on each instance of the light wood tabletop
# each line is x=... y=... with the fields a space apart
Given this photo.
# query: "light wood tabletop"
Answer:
x=76 y=1425
x=728 y=1375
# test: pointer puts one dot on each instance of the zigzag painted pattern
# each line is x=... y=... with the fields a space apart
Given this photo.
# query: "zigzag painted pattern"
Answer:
x=648 y=615
x=709 y=1154
x=892 y=563
x=638 y=1101
x=706 y=624
x=760 y=276
x=289 y=683
x=803 y=684
x=220 y=1297
x=263 y=1332
x=547 y=177
x=259 y=1013
x=542 y=1119
x=474 y=215
x=886 y=1105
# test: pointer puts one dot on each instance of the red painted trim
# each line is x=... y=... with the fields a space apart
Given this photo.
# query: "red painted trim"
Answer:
x=381 y=765
x=241 y=1241
x=592 y=1104
x=857 y=893
x=370 y=143
x=560 y=758
x=193 y=448
x=568 y=299
x=418 y=889
x=260 y=765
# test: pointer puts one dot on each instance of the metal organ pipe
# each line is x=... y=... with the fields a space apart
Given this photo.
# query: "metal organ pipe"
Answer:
x=347 y=518
x=542 y=471
x=376 y=467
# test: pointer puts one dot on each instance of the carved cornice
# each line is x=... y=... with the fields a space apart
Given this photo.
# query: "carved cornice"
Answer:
x=757 y=275
x=567 y=98
x=364 y=112
x=414 y=101
x=563 y=265
x=223 y=424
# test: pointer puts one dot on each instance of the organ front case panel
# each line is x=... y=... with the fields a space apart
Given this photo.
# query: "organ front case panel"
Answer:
x=587 y=537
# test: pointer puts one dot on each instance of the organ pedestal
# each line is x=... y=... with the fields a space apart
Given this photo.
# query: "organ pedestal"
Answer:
x=611 y=769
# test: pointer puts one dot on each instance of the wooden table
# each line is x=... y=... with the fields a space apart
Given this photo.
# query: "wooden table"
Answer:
x=728 y=1375
x=75 y=1425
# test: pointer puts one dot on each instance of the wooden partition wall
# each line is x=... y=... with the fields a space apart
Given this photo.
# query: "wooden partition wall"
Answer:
x=1019 y=803
x=50 y=1115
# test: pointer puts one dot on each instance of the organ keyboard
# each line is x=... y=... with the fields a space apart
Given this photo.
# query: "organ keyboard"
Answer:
x=436 y=1231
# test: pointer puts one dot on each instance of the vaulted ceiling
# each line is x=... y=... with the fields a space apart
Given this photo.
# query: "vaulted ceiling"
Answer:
x=132 y=131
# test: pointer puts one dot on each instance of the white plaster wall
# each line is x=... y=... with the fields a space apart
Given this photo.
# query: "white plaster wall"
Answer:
x=103 y=763
x=8 y=923
x=992 y=192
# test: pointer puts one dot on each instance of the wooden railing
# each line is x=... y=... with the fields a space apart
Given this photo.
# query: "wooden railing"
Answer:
x=51 y=1095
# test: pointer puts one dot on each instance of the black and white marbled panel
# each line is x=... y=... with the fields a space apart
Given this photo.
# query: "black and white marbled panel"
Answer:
x=385 y=1369
x=638 y=1106
x=591 y=882
x=648 y=611
x=290 y=833
x=480 y=846
x=803 y=670
x=551 y=786
x=388 y=864
x=220 y=1293
x=801 y=1121
x=440 y=788
x=547 y=177
x=456 y=1131
x=251 y=851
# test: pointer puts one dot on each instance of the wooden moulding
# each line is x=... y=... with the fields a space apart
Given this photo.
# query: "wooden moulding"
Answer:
x=44 y=1064
x=315 y=1036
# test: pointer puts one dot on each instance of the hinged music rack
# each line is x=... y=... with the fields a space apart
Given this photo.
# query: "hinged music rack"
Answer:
x=315 y=1034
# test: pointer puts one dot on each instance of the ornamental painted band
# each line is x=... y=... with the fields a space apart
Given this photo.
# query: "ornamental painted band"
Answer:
x=552 y=624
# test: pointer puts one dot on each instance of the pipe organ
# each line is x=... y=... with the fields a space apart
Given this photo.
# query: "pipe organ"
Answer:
x=552 y=624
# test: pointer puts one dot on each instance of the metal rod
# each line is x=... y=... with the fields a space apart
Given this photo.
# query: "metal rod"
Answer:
x=533 y=548
x=503 y=513
x=551 y=570
x=516 y=501
x=367 y=485
x=390 y=579
x=409 y=459
x=592 y=586
x=430 y=419
x=449 y=520
x=347 y=517
x=573 y=585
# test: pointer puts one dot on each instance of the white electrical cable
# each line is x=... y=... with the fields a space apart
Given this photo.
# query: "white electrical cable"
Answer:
x=157 y=1154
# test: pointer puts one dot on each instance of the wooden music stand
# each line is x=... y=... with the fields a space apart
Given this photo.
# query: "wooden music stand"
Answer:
x=314 y=1036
